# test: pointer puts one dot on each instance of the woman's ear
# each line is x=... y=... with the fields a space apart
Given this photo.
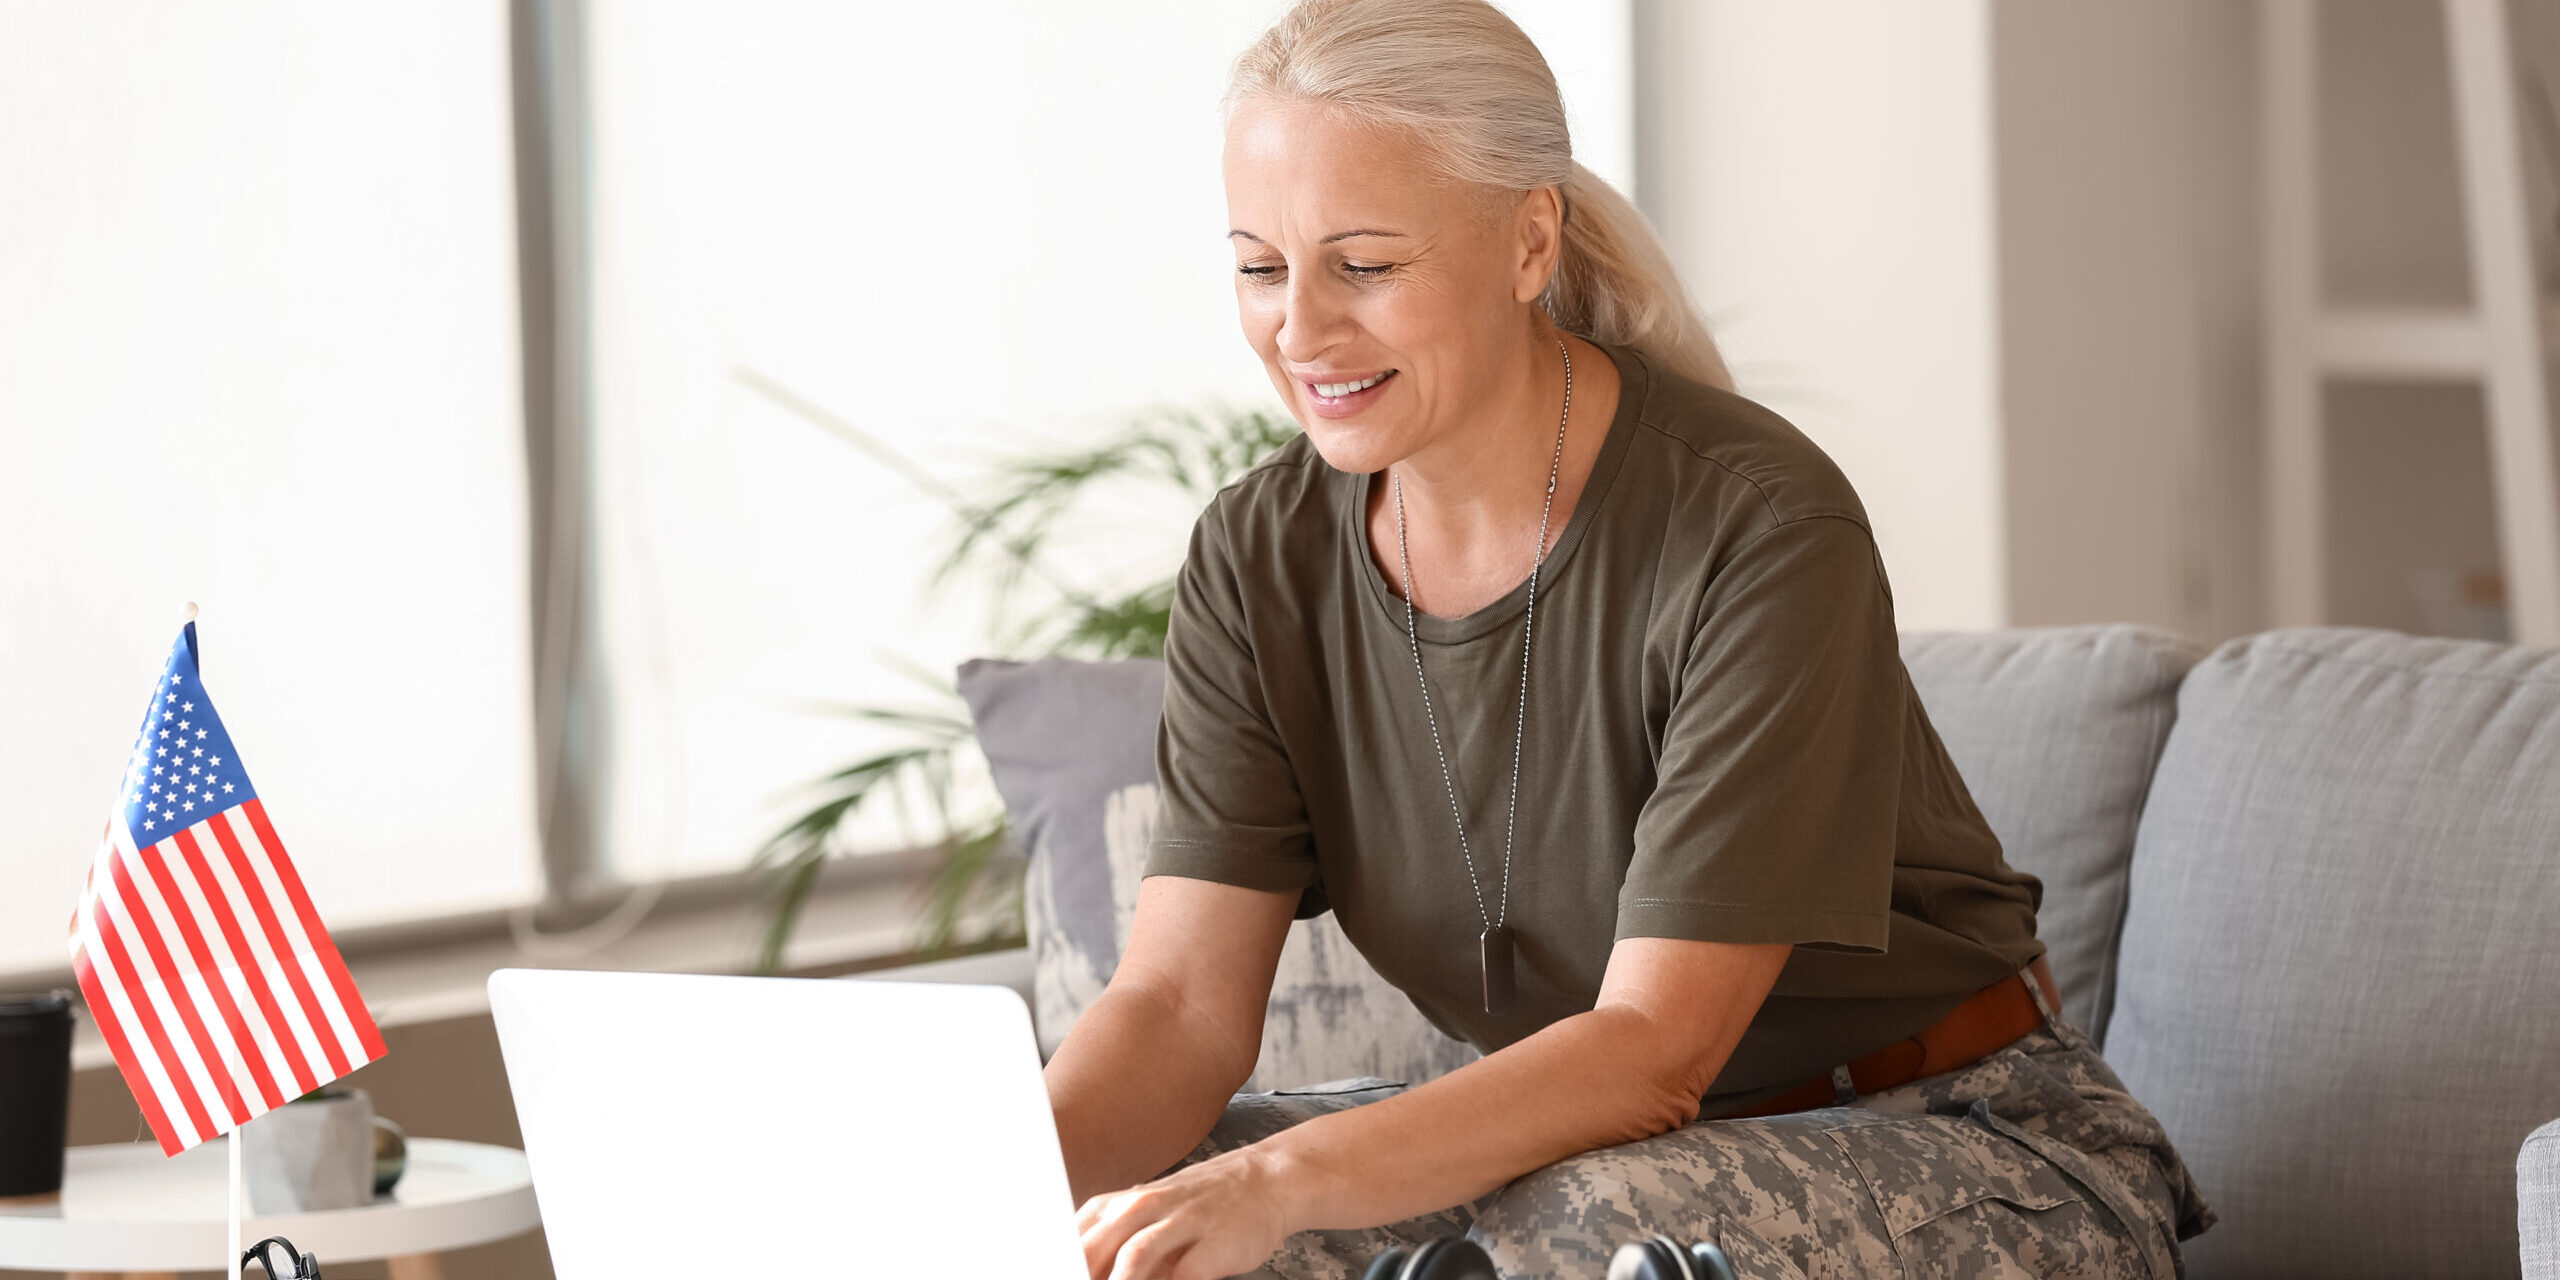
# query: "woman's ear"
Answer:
x=1538 y=228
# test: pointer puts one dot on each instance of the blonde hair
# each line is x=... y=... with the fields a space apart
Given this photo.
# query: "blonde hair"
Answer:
x=1463 y=77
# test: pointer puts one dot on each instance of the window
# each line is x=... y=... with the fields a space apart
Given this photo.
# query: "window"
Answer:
x=258 y=349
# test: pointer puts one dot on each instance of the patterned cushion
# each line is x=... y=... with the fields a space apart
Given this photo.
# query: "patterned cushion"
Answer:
x=2341 y=962
x=2056 y=731
x=1071 y=745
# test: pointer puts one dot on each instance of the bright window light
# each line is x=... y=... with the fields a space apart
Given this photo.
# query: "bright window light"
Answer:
x=258 y=349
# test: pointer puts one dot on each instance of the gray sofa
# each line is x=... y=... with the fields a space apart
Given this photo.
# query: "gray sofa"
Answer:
x=2305 y=888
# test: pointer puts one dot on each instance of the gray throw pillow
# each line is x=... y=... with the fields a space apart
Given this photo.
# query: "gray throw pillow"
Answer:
x=2056 y=731
x=2342 y=959
x=1071 y=746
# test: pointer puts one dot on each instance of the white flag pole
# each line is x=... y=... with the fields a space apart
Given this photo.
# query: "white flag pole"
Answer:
x=231 y=1213
x=231 y=1196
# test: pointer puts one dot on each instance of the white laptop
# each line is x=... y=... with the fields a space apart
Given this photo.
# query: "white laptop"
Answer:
x=687 y=1125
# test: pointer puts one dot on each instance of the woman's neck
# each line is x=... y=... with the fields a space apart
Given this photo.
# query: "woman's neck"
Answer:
x=1472 y=502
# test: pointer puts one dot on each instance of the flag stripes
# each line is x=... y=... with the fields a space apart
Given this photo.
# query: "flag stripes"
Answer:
x=348 y=1009
x=111 y=994
x=241 y=1001
x=253 y=978
x=166 y=905
x=307 y=1019
x=196 y=1052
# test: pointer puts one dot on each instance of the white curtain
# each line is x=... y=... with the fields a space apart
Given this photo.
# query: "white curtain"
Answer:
x=258 y=350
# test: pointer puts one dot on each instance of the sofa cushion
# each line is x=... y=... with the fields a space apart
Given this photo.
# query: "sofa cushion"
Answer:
x=2056 y=731
x=2340 y=959
x=2538 y=1203
x=1071 y=746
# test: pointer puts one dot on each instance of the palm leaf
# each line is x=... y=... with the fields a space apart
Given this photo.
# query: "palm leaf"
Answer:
x=1004 y=538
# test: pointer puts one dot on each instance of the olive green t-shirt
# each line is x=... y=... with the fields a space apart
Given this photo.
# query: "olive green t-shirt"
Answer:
x=1722 y=743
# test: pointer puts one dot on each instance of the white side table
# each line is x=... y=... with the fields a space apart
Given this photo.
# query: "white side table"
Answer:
x=127 y=1209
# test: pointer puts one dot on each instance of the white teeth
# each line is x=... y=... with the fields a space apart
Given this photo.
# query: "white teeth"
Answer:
x=1336 y=390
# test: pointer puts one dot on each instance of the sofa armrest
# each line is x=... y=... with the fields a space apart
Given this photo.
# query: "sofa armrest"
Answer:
x=2538 y=1202
x=1007 y=968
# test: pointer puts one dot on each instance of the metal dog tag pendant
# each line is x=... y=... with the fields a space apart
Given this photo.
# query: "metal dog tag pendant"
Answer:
x=1495 y=943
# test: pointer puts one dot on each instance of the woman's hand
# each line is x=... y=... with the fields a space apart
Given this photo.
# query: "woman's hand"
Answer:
x=1222 y=1216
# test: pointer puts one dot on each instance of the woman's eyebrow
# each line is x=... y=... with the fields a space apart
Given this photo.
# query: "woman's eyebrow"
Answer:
x=1338 y=235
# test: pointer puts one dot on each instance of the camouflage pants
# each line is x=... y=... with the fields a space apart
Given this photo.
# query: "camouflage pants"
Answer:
x=2033 y=1161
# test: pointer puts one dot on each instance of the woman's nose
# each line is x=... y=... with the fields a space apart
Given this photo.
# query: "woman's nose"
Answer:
x=1310 y=320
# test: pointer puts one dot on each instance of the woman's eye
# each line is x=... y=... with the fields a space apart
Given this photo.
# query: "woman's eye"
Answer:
x=1258 y=273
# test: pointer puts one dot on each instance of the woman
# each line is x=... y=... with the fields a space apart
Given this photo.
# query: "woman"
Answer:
x=1568 y=679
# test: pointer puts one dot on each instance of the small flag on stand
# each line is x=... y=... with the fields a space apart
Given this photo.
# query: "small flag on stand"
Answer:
x=202 y=961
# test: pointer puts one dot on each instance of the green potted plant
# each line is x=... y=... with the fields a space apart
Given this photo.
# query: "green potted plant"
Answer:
x=1038 y=609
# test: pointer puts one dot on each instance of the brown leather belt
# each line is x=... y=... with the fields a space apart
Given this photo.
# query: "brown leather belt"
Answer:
x=1984 y=1024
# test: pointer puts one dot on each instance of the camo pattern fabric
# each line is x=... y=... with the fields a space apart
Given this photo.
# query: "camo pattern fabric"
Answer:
x=2031 y=1162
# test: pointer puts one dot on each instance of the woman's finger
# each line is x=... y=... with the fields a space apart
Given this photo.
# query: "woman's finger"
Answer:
x=1117 y=1217
x=1090 y=1211
x=1151 y=1252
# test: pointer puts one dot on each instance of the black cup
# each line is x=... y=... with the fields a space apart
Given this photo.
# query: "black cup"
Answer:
x=35 y=1092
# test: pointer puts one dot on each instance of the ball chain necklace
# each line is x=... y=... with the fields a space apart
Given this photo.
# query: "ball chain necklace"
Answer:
x=1494 y=944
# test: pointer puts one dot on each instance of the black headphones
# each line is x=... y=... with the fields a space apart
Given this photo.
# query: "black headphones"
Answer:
x=295 y=1266
x=1663 y=1258
x=1458 y=1258
x=1451 y=1258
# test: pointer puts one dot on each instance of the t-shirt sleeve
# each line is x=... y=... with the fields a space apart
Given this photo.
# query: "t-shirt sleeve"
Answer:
x=1230 y=808
x=1773 y=812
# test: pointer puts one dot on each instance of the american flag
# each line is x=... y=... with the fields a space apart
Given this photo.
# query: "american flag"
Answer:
x=202 y=962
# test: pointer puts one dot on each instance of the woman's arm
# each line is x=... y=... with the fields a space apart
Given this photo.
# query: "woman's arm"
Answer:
x=1148 y=1068
x=1669 y=1013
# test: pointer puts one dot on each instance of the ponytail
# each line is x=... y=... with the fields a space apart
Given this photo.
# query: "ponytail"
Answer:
x=1614 y=283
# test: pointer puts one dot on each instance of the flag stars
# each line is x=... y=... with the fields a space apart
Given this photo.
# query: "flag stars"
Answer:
x=172 y=766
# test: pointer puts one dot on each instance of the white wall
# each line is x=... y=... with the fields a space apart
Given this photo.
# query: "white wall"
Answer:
x=1822 y=173
x=2129 y=310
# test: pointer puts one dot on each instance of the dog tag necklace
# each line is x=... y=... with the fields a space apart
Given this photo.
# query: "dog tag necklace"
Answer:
x=1494 y=944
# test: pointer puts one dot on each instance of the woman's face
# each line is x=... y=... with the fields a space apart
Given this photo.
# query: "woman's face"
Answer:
x=1353 y=264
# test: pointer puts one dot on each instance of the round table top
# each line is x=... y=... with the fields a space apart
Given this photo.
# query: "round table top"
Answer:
x=127 y=1208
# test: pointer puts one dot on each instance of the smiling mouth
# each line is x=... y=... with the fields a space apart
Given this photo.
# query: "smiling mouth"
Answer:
x=1333 y=392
